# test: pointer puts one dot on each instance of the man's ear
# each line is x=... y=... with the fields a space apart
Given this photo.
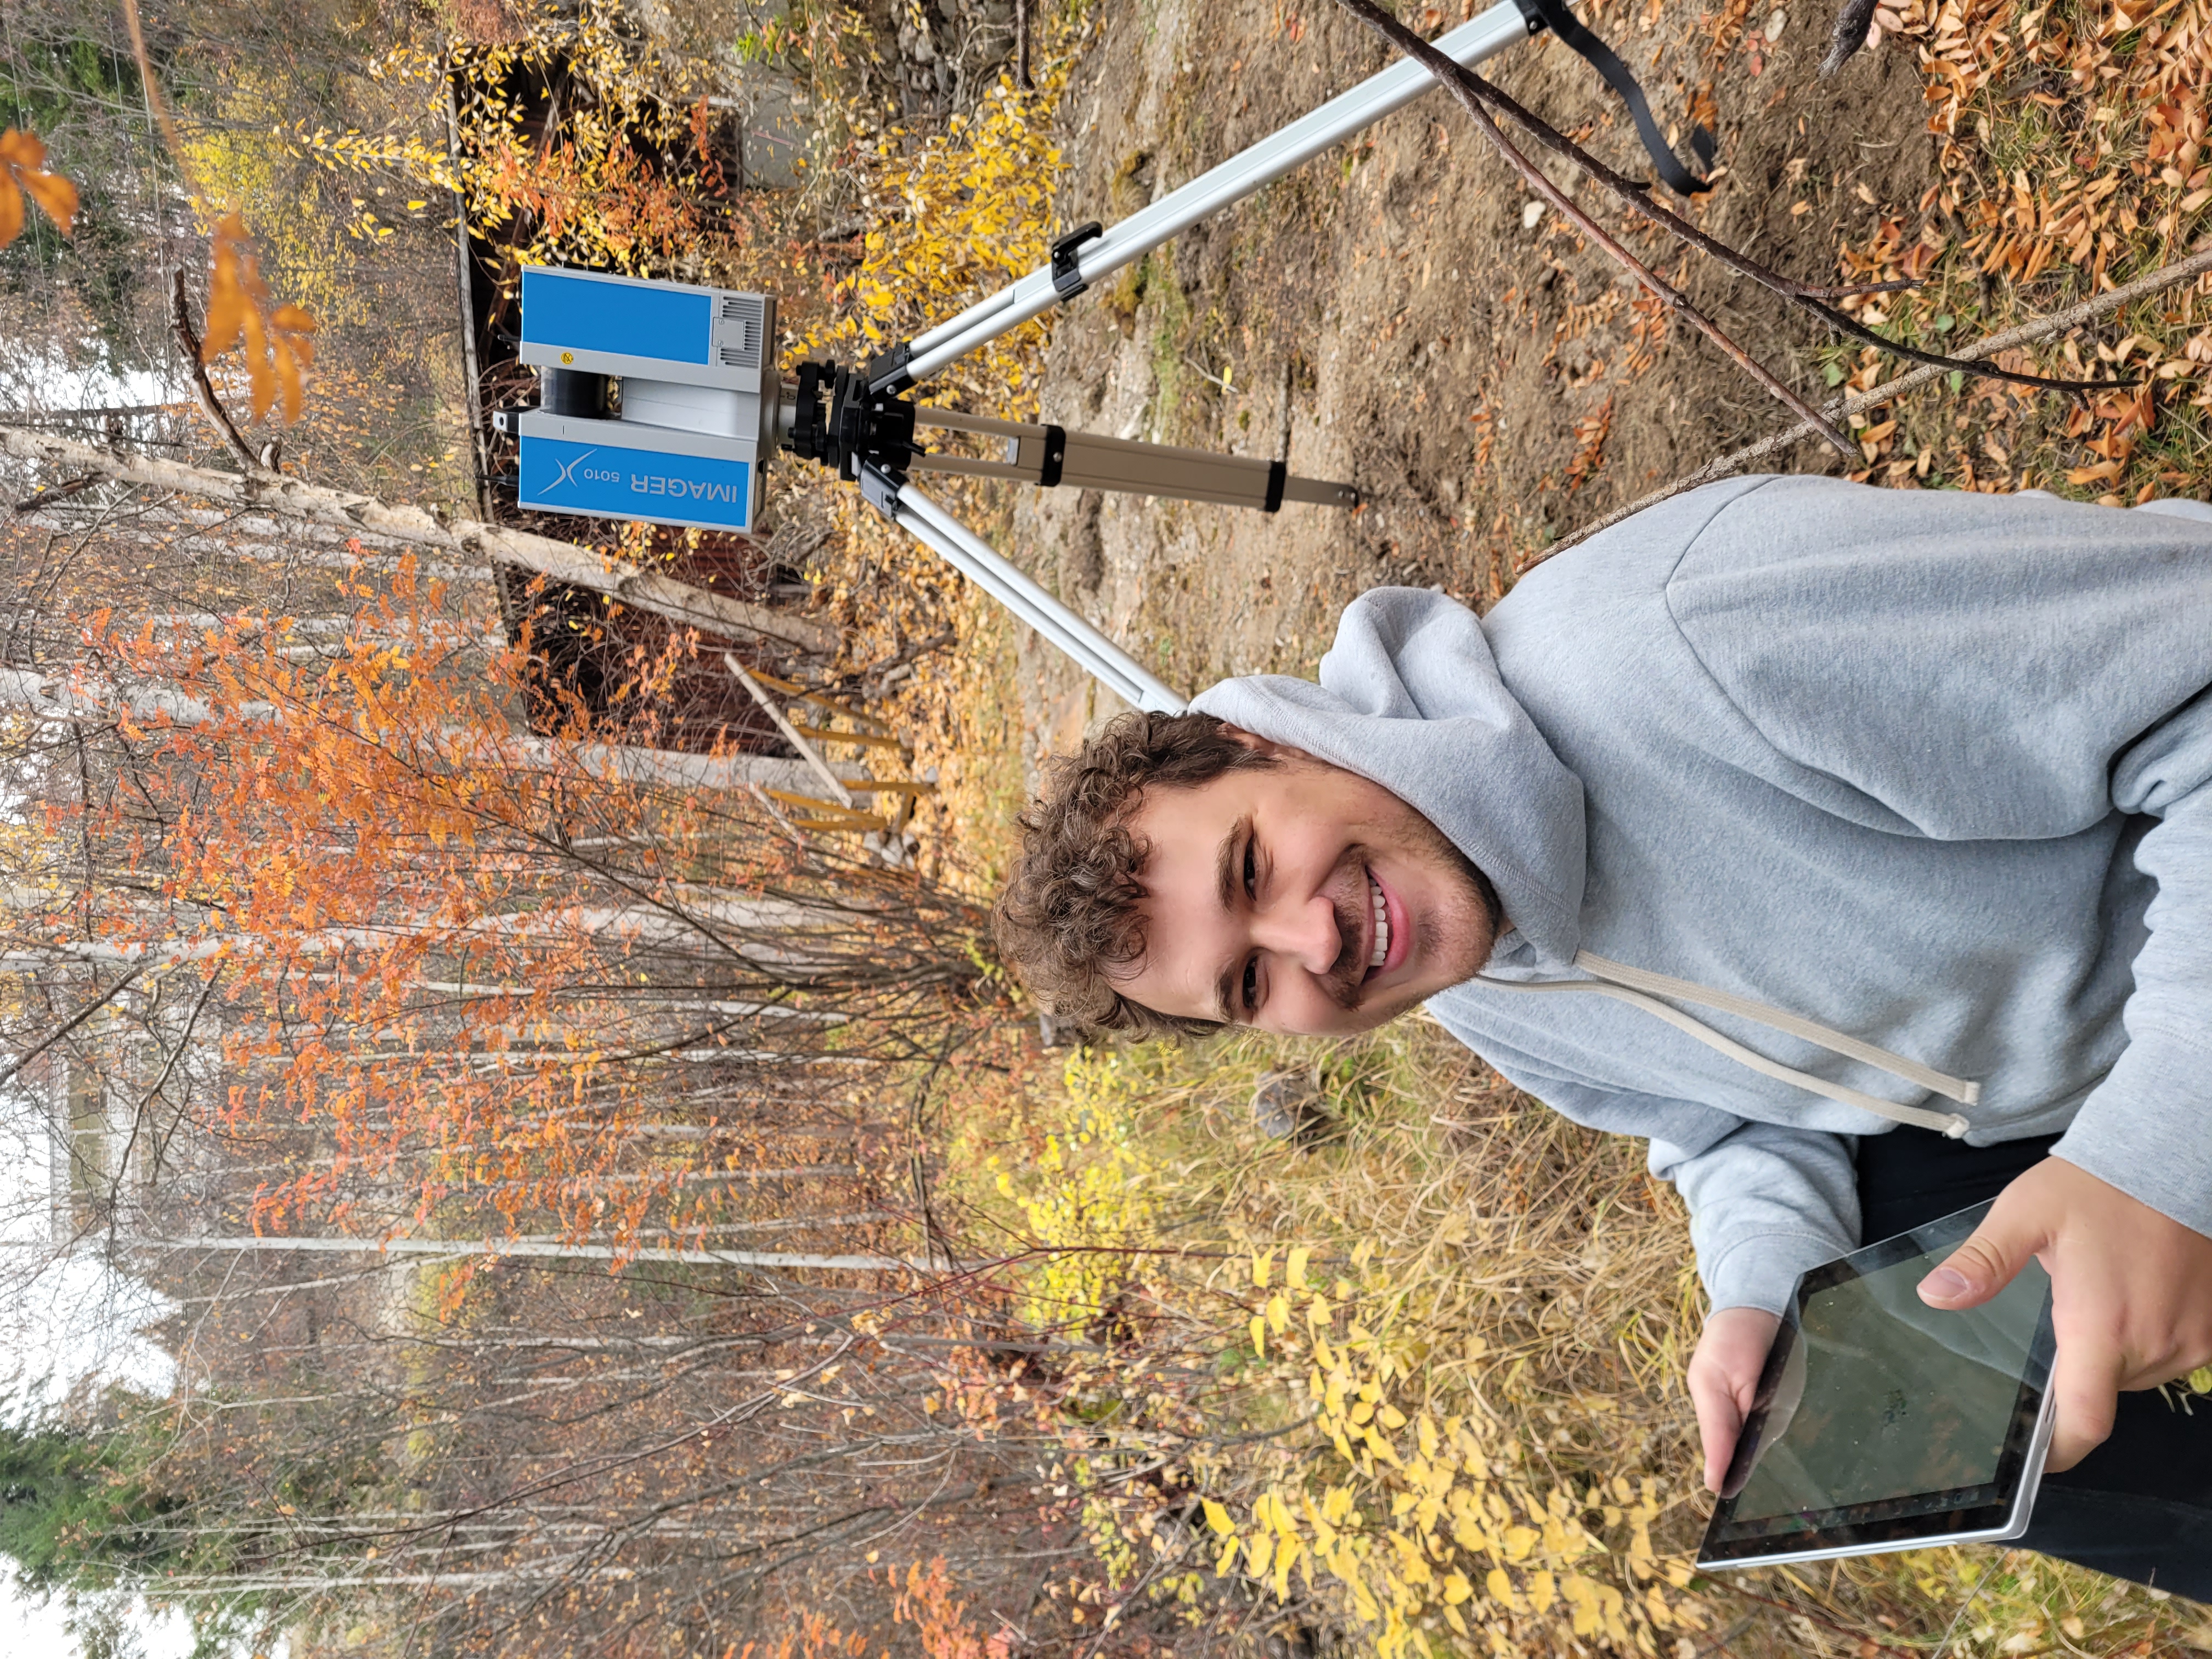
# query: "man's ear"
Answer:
x=1259 y=745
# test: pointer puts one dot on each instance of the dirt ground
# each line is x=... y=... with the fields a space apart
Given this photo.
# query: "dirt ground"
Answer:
x=1389 y=316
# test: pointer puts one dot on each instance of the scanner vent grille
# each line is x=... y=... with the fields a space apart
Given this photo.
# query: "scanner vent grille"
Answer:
x=743 y=326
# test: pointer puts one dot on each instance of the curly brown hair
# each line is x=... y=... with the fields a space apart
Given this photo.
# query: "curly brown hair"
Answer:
x=1069 y=920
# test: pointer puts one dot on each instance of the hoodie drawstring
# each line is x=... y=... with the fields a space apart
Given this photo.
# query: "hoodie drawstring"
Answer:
x=1641 y=988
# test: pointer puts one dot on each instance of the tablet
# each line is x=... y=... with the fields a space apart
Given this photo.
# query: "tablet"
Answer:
x=1883 y=1424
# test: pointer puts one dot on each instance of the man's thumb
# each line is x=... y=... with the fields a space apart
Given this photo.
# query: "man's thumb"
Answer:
x=1981 y=1266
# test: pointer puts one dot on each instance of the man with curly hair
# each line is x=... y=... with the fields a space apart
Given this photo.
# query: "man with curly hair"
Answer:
x=1851 y=846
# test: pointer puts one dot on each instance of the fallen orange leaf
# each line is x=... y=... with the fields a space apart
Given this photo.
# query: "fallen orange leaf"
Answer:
x=23 y=172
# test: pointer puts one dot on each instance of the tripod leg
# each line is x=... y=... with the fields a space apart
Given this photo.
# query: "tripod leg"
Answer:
x=1502 y=26
x=1191 y=475
x=1083 y=460
x=935 y=528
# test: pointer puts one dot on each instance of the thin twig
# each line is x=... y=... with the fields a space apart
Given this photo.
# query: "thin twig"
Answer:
x=47 y=494
x=913 y=651
x=1735 y=1586
x=1633 y=194
x=8 y=1074
x=180 y=319
x=776 y=814
x=150 y=85
x=1720 y=1643
x=805 y=750
x=2028 y=333
x=1943 y=1646
x=1472 y=91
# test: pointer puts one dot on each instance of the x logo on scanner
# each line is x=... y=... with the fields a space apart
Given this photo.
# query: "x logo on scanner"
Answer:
x=568 y=474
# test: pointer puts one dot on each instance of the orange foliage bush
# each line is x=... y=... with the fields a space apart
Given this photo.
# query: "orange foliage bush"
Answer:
x=463 y=956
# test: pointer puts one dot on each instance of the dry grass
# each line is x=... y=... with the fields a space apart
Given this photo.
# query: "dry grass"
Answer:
x=1531 y=1281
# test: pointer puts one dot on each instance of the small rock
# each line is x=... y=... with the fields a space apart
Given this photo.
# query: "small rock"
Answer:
x=1286 y=1106
x=1777 y=20
x=1530 y=214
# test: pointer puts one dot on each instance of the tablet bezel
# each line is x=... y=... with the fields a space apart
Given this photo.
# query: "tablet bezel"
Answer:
x=1995 y=1510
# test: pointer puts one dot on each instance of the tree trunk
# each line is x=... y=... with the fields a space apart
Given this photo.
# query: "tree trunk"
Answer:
x=537 y=1250
x=56 y=698
x=563 y=562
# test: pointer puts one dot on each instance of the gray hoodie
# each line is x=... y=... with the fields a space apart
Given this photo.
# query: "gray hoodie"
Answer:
x=1933 y=769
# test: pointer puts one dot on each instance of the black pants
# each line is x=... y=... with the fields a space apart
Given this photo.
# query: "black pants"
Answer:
x=2140 y=1506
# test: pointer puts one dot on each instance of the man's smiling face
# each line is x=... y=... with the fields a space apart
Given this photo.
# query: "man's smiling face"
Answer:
x=1299 y=898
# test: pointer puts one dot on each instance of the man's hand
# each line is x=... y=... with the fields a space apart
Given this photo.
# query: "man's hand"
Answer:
x=2130 y=1292
x=1723 y=1377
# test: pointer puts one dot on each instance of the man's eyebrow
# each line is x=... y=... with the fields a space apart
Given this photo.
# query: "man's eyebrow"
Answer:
x=1224 y=863
x=1226 y=887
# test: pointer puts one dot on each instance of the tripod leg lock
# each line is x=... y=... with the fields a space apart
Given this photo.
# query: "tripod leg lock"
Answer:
x=1055 y=456
x=880 y=489
x=1067 y=276
x=1279 y=473
x=887 y=370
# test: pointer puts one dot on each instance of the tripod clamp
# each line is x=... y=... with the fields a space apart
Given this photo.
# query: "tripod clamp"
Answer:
x=1066 y=275
x=855 y=425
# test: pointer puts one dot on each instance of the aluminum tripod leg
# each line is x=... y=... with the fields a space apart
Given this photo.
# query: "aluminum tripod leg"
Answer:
x=934 y=527
x=1500 y=27
x=1083 y=460
x=1109 y=463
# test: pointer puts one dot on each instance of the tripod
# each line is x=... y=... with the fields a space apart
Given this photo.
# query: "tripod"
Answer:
x=857 y=422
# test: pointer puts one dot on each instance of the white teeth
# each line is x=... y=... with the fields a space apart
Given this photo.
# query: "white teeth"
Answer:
x=1382 y=925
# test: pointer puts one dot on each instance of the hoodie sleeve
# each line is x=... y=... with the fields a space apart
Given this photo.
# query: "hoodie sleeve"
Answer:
x=2147 y=1128
x=1767 y=1202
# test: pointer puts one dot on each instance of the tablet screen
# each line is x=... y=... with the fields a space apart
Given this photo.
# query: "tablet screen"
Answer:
x=1878 y=1416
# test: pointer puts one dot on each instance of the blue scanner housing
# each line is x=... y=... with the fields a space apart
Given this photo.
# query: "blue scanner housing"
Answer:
x=697 y=400
x=610 y=480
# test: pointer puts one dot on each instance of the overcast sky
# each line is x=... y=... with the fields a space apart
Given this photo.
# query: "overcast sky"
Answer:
x=62 y=1322
x=35 y=1631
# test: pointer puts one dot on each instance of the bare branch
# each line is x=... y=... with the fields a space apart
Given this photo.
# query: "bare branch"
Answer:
x=2028 y=333
x=1634 y=195
x=180 y=320
x=806 y=750
x=47 y=495
x=8 y=1073
x=1472 y=93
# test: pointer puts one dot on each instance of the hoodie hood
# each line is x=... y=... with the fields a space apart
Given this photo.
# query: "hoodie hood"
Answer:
x=1410 y=697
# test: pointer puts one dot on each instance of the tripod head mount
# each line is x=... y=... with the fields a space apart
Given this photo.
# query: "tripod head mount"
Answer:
x=832 y=417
